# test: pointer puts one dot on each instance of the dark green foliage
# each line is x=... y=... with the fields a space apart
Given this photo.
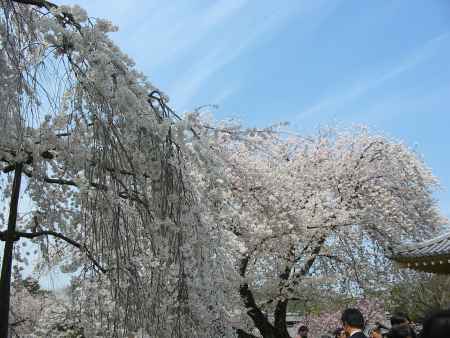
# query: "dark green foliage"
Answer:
x=420 y=294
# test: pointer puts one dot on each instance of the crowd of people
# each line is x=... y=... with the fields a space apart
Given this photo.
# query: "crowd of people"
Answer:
x=437 y=325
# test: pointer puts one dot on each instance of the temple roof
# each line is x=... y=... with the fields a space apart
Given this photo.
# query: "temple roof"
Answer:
x=430 y=256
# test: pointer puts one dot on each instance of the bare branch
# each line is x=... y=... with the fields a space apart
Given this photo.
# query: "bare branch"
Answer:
x=79 y=246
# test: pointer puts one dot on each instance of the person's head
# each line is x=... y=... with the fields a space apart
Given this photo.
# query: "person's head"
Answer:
x=339 y=333
x=437 y=325
x=303 y=331
x=352 y=319
x=401 y=331
x=375 y=332
x=399 y=318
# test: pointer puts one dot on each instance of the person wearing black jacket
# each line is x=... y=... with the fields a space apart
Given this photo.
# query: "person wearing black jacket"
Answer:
x=353 y=323
x=437 y=325
x=402 y=319
x=401 y=331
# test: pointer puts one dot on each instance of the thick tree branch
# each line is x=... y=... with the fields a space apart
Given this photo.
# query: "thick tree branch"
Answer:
x=64 y=18
x=254 y=312
x=19 y=322
x=331 y=257
x=38 y=3
x=281 y=306
x=59 y=181
x=242 y=334
x=79 y=246
x=243 y=264
x=8 y=168
x=310 y=261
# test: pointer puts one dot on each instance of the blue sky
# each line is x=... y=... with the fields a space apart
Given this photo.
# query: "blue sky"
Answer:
x=380 y=63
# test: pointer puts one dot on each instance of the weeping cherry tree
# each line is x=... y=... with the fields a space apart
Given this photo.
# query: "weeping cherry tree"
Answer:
x=93 y=172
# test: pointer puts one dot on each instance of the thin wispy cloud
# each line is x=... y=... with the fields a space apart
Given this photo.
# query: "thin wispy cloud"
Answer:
x=197 y=39
x=159 y=32
x=362 y=86
x=178 y=29
x=193 y=79
x=383 y=111
x=238 y=41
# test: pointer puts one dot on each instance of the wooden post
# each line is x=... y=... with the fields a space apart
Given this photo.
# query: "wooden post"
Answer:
x=10 y=238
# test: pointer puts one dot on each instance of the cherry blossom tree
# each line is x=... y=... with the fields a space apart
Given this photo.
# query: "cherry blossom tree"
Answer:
x=174 y=227
x=309 y=212
x=41 y=313
x=95 y=155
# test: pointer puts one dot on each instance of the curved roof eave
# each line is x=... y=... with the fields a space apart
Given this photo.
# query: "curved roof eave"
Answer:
x=430 y=256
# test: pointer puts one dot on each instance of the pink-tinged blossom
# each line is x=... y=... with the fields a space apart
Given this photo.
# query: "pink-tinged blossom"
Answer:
x=309 y=213
x=326 y=322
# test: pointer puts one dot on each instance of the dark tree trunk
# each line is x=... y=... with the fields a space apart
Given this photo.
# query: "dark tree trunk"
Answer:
x=243 y=334
x=260 y=320
x=280 y=319
x=10 y=238
x=281 y=307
